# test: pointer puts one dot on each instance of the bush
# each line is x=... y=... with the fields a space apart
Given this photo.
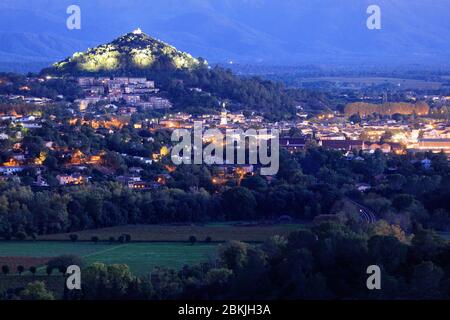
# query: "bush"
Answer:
x=208 y=240
x=192 y=240
x=5 y=270
x=121 y=239
x=36 y=291
x=95 y=239
x=127 y=237
x=61 y=263
x=33 y=270
x=49 y=270
x=239 y=203
x=112 y=239
x=402 y=201
x=21 y=235
x=73 y=237
x=20 y=269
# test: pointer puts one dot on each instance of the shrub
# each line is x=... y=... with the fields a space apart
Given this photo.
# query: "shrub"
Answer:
x=208 y=239
x=127 y=237
x=61 y=263
x=36 y=291
x=5 y=270
x=95 y=239
x=121 y=239
x=73 y=237
x=20 y=269
x=33 y=270
x=112 y=239
x=49 y=270
x=192 y=240
x=21 y=235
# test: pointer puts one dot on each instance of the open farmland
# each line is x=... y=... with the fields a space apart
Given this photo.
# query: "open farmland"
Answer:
x=217 y=232
x=140 y=257
x=151 y=246
x=143 y=257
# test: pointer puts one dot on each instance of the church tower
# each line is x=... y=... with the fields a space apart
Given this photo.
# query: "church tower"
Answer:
x=224 y=115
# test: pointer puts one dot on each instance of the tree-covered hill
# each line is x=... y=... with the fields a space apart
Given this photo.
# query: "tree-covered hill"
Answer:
x=177 y=73
x=132 y=53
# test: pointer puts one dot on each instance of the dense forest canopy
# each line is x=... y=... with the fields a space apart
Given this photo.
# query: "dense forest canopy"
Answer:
x=309 y=185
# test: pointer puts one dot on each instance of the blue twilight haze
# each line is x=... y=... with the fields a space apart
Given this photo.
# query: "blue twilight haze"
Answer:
x=287 y=32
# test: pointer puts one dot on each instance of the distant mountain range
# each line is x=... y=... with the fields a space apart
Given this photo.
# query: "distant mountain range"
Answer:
x=286 y=32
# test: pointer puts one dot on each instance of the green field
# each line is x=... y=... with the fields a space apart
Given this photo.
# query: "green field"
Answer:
x=151 y=246
x=140 y=257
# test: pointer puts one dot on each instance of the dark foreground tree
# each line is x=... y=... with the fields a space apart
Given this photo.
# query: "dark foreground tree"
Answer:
x=95 y=239
x=61 y=263
x=5 y=269
x=192 y=240
x=33 y=270
x=20 y=269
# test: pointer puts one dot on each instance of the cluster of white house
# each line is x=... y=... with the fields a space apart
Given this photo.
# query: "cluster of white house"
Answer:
x=137 y=92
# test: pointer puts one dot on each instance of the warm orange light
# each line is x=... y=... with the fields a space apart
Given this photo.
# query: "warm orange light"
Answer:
x=11 y=163
x=164 y=151
x=171 y=169
x=40 y=160
x=161 y=180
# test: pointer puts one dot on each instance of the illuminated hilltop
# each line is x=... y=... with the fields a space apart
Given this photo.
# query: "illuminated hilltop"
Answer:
x=134 y=51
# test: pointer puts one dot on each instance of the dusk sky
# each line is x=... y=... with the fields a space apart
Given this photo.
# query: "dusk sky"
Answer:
x=246 y=31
